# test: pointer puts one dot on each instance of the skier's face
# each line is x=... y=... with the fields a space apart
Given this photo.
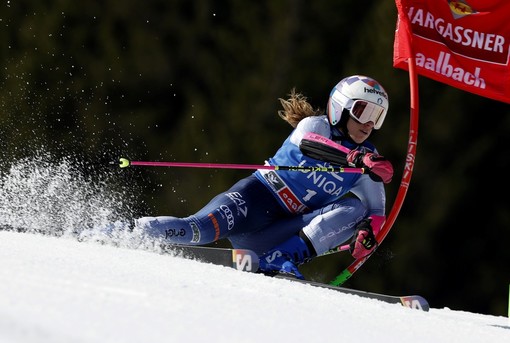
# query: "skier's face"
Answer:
x=359 y=132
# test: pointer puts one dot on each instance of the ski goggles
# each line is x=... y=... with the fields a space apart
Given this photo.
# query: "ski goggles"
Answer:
x=363 y=111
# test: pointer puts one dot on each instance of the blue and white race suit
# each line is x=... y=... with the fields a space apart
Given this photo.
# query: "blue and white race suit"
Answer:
x=269 y=206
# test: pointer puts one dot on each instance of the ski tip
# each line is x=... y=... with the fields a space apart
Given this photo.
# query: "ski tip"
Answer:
x=415 y=302
x=124 y=162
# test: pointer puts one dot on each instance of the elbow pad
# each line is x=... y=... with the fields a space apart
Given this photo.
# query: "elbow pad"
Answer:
x=323 y=149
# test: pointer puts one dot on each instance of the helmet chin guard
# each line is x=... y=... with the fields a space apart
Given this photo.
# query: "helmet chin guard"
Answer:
x=363 y=97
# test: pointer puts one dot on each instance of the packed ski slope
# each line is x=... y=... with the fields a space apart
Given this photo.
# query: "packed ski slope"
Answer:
x=60 y=290
x=56 y=289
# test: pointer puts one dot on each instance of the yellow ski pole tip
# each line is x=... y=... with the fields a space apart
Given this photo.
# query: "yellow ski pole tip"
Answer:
x=124 y=162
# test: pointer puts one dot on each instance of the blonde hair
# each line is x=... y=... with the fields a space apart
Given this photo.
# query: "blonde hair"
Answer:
x=296 y=107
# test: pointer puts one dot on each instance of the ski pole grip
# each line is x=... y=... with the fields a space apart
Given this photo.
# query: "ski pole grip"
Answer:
x=124 y=162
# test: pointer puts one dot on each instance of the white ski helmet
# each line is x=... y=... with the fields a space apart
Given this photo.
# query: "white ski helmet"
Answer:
x=363 y=98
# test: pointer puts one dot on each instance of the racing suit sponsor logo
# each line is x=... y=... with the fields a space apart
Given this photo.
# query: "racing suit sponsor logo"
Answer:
x=238 y=200
x=274 y=181
x=328 y=186
x=175 y=233
x=229 y=216
x=291 y=201
x=332 y=233
x=196 y=233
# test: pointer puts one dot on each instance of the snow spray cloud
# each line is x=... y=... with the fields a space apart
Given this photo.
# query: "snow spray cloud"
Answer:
x=56 y=198
x=37 y=195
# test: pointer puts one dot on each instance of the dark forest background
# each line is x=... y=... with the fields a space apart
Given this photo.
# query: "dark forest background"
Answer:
x=199 y=81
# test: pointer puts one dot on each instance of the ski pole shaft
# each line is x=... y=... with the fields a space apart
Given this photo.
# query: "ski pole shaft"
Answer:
x=124 y=162
x=337 y=249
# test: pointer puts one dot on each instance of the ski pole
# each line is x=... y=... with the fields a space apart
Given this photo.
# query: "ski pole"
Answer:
x=124 y=162
x=337 y=249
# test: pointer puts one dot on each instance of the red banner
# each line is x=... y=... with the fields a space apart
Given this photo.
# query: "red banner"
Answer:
x=464 y=44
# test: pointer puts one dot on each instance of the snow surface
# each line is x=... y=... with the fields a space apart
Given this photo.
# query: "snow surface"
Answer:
x=61 y=290
x=54 y=288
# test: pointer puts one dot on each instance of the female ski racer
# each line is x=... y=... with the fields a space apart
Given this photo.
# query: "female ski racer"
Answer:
x=289 y=217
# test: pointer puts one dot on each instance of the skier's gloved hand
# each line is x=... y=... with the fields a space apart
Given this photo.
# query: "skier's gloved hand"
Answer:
x=363 y=242
x=379 y=168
